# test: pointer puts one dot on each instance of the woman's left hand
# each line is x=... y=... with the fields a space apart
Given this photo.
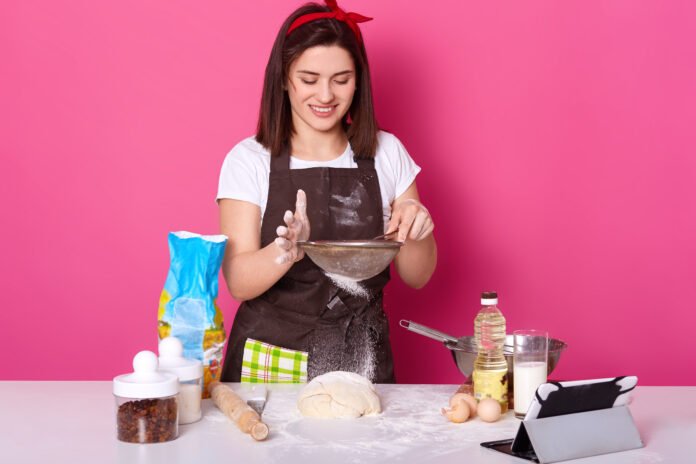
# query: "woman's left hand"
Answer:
x=412 y=220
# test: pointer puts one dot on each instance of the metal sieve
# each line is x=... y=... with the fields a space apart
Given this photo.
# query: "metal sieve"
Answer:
x=352 y=259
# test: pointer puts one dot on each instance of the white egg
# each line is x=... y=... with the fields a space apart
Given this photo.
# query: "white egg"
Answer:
x=489 y=410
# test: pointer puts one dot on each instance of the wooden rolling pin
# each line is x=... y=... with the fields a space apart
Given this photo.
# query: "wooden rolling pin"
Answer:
x=236 y=409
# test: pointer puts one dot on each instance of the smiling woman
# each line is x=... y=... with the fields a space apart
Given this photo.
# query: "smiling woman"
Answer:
x=320 y=88
x=318 y=168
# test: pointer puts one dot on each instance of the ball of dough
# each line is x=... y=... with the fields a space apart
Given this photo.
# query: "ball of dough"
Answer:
x=339 y=394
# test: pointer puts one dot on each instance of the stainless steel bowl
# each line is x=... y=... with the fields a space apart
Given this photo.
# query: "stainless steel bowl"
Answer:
x=352 y=259
x=464 y=349
x=464 y=353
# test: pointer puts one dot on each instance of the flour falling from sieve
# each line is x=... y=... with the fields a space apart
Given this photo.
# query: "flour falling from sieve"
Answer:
x=368 y=362
x=354 y=351
x=351 y=286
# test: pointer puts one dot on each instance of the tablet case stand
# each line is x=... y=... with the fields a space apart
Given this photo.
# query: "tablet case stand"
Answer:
x=575 y=422
x=579 y=435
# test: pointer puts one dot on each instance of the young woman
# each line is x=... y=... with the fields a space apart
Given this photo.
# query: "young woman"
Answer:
x=318 y=168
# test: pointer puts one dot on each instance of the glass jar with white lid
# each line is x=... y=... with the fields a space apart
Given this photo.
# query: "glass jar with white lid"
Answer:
x=146 y=402
x=190 y=375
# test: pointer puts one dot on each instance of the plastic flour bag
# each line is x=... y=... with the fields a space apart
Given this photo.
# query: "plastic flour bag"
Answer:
x=187 y=307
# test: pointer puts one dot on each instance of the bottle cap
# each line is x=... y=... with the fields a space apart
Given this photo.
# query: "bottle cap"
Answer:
x=145 y=381
x=489 y=298
x=172 y=360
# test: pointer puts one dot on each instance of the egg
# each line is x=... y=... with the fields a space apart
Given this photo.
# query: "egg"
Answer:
x=489 y=410
x=468 y=399
x=459 y=413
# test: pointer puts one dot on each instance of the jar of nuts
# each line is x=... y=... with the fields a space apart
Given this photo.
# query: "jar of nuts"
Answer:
x=146 y=402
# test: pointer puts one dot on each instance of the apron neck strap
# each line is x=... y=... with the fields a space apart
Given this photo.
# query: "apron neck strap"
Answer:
x=364 y=163
x=281 y=162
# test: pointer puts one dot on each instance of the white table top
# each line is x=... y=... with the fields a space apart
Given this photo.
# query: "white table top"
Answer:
x=60 y=422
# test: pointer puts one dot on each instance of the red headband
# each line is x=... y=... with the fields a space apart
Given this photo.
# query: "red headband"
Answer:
x=351 y=19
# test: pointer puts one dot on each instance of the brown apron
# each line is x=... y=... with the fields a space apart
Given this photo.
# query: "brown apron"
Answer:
x=304 y=310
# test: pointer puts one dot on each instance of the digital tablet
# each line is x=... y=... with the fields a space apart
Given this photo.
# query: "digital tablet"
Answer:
x=557 y=398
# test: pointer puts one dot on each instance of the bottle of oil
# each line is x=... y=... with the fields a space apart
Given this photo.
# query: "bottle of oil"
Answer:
x=490 y=367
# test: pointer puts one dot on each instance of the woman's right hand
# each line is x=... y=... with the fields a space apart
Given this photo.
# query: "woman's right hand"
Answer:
x=296 y=228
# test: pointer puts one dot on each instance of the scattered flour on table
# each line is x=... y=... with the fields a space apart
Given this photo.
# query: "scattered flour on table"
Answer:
x=351 y=286
x=410 y=428
x=216 y=416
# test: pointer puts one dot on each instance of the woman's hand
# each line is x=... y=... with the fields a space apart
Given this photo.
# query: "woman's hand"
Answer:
x=296 y=228
x=412 y=220
x=417 y=259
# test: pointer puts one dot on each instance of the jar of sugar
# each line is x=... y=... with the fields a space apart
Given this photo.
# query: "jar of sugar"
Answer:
x=190 y=375
x=146 y=402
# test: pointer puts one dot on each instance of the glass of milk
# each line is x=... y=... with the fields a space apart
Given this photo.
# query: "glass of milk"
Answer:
x=530 y=362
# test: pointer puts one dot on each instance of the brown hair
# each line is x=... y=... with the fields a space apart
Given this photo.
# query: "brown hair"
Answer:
x=275 y=120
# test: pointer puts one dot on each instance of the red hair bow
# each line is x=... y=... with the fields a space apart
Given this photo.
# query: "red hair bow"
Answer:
x=351 y=19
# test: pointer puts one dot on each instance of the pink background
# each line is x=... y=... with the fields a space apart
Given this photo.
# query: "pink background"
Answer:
x=556 y=139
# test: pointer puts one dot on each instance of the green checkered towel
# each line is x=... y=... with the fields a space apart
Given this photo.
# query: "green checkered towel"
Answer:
x=265 y=363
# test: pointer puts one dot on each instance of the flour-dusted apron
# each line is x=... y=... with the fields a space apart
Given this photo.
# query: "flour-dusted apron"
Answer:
x=304 y=310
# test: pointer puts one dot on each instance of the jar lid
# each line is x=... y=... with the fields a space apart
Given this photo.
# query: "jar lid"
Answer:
x=145 y=381
x=172 y=360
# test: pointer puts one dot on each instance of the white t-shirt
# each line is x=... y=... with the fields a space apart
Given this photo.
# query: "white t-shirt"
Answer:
x=245 y=171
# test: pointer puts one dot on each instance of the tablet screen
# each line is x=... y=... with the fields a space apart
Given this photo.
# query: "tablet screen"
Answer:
x=558 y=398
